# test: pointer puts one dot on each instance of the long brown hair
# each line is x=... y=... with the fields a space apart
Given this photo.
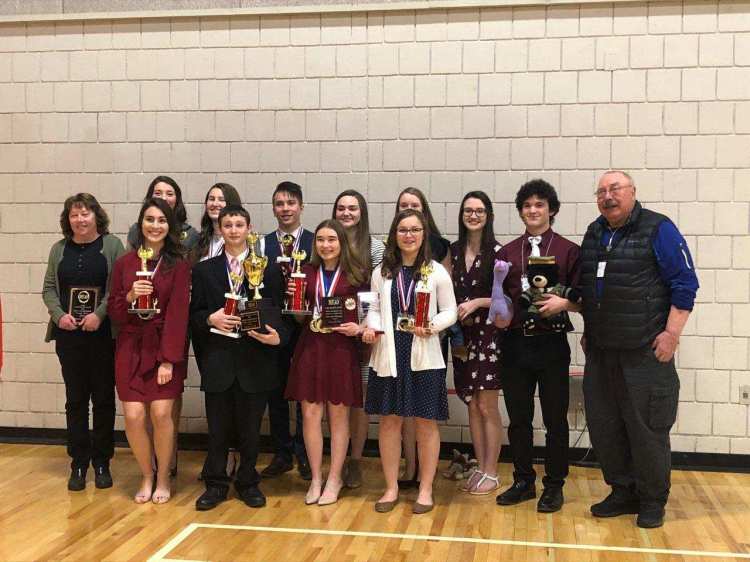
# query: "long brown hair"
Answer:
x=361 y=232
x=173 y=249
x=355 y=271
x=392 y=258
x=87 y=201
x=425 y=207
x=231 y=197
x=487 y=242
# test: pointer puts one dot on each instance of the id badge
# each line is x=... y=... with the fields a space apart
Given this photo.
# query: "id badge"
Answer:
x=601 y=266
x=525 y=285
x=405 y=323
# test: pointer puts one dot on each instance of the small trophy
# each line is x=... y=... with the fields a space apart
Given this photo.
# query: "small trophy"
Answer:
x=82 y=302
x=297 y=303
x=422 y=295
x=285 y=259
x=145 y=305
x=231 y=304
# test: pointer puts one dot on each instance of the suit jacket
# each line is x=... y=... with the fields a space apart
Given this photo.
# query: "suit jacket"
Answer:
x=252 y=363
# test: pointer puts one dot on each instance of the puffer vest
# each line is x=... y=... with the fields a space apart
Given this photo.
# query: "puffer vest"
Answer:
x=635 y=302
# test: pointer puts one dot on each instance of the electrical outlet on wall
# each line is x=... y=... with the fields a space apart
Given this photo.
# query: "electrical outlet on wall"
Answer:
x=745 y=394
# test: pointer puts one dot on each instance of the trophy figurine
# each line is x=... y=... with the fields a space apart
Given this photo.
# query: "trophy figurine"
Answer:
x=254 y=266
x=422 y=295
x=285 y=259
x=297 y=304
x=145 y=305
x=231 y=304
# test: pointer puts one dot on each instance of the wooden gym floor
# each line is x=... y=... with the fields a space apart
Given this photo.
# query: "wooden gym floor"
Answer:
x=708 y=519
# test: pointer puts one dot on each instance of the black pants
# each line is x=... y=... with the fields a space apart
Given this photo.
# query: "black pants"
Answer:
x=285 y=445
x=234 y=417
x=529 y=361
x=88 y=370
x=631 y=404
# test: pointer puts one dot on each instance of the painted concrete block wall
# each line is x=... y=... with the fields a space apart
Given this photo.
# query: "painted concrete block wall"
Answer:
x=444 y=100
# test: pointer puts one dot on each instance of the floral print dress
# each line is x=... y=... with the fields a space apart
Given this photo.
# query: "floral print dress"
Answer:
x=481 y=369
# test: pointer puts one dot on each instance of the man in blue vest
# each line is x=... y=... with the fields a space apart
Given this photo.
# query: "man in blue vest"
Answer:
x=639 y=285
x=287 y=208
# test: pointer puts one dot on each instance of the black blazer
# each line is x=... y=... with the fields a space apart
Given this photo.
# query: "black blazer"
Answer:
x=253 y=364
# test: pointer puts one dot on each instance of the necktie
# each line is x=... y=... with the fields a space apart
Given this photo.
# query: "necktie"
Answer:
x=535 y=241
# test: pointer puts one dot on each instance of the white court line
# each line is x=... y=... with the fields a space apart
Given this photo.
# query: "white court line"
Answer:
x=497 y=542
x=172 y=544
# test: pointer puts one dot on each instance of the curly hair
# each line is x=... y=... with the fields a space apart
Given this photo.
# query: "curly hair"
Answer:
x=542 y=190
x=87 y=201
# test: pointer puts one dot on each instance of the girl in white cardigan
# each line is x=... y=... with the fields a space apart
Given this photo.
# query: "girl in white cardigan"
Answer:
x=408 y=370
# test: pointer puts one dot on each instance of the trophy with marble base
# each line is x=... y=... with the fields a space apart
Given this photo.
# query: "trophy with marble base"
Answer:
x=231 y=304
x=145 y=306
x=297 y=303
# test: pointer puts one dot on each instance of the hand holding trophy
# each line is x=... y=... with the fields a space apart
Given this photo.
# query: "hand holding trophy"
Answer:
x=297 y=303
x=422 y=294
x=231 y=304
x=145 y=304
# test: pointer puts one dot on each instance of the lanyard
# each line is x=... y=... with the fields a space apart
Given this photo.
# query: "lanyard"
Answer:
x=404 y=296
x=320 y=289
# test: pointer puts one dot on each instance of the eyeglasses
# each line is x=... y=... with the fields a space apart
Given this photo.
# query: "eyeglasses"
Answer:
x=478 y=212
x=413 y=231
x=612 y=189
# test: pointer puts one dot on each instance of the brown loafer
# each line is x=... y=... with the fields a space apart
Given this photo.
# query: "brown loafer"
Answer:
x=385 y=507
x=420 y=508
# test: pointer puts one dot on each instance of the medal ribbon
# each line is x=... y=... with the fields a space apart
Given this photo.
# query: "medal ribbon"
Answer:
x=404 y=296
x=320 y=288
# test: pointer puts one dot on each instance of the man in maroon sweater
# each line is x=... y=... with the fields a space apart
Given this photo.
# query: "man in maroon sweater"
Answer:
x=541 y=359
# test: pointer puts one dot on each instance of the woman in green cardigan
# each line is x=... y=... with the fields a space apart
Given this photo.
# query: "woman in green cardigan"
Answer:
x=75 y=292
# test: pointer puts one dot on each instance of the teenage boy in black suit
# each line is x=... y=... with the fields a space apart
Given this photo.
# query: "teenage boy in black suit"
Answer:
x=238 y=374
x=287 y=208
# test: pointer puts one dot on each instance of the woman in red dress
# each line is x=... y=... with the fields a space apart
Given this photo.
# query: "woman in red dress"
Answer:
x=325 y=368
x=151 y=354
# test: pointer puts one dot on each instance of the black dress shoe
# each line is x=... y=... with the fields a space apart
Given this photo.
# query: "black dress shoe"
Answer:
x=520 y=491
x=552 y=500
x=252 y=497
x=212 y=497
x=615 y=504
x=77 y=480
x=650 y=516
x=304 y=470
x=277 y=467
x=102 y=477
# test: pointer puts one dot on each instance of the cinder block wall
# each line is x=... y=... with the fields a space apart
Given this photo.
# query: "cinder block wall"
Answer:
x=444 y=100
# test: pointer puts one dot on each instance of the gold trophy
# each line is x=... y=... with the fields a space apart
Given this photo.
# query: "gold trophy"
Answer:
x=145 y=305
x=297 y=304
x=422 y=294
x=254 y=314
x=254 y=266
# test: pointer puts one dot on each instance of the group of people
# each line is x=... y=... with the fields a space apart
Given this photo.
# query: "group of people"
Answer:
x=501 y=312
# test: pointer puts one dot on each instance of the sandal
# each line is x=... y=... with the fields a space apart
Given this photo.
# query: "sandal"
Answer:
x=471 y=481
x=475 y=491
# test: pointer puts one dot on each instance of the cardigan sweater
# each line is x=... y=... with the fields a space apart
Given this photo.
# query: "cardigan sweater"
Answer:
x=112 y=249
x=425 y=352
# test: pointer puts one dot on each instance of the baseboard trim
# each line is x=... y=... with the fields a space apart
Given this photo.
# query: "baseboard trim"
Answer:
x=711 y=462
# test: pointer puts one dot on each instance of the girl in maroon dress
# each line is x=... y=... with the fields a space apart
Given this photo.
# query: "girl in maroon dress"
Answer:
x=477 y=375
x=151 y=358
x=325 y=368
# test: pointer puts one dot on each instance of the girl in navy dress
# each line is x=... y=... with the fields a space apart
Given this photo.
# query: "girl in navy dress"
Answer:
x=408 y=369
